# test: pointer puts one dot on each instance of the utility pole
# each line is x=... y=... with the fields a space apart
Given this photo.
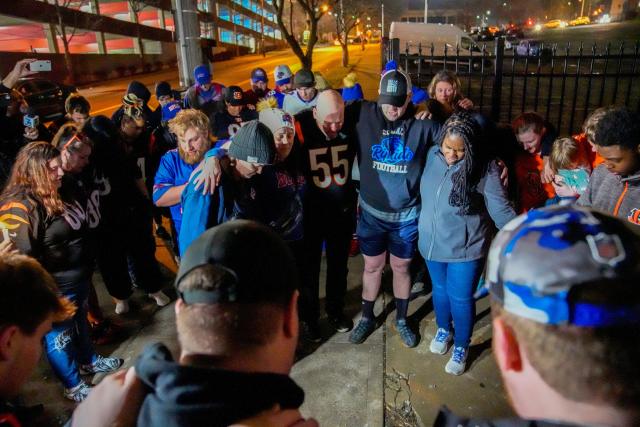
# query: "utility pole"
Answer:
x=382 y=20
x=582 y=7
x=262 y=46
x=426 y=10
x=188 y=39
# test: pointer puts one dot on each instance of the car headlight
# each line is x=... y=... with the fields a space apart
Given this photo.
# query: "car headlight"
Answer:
x=538 y=27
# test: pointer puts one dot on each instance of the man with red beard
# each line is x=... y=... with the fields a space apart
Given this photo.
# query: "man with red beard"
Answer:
x=176 y=166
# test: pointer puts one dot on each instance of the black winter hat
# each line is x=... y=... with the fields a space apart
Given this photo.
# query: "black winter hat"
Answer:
x=139 y=90
x=163 y=89
x=253 y=143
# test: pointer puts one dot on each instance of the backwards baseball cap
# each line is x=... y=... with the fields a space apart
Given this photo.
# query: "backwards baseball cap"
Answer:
x=259 y=75
x=540 y=259
x=275 y=118
x=170 y=110
x=253 y=143
x=394 y=87
x=282 y=74
x=202 y=74
x=234 y=95
x=304 y=78
x=254 y=264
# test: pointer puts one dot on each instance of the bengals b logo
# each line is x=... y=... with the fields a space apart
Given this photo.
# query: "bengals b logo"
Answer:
x=634 y=216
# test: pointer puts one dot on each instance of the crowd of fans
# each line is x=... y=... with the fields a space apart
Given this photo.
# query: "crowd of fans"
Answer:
x=256 y=184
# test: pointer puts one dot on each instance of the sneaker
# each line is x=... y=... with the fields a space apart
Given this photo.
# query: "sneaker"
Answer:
x=408 y=337
x=122 y=306
x=161 y=298
x=363 y=329
x=311 y=332
x=458 y=361
x=101 y=364
x=340 y=322
x=440 y=343
x=77 y=393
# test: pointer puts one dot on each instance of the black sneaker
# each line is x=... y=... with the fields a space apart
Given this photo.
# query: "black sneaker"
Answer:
x=406 y=334
x=340 y=322
x=363 y=329
x=310 y=331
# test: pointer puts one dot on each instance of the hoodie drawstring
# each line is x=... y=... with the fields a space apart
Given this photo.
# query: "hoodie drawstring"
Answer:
x=620 y=199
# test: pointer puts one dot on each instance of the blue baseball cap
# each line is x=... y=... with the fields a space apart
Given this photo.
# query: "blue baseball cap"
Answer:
x=539 y=258
x=259 y=75
x=170 y=110
x=202 y=75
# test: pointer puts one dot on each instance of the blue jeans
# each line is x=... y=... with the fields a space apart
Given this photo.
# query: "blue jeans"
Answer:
x=453 y=286
x=68 y=343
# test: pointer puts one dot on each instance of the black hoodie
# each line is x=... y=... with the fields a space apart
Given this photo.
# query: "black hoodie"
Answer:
x=391 y=157
x=181 y=395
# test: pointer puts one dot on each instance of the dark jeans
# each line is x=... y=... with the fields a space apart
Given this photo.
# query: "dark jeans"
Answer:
x=453 y=286
x=133 y=240
x=335 y=229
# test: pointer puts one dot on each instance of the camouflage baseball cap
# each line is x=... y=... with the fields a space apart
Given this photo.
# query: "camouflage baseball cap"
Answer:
x=538 y=258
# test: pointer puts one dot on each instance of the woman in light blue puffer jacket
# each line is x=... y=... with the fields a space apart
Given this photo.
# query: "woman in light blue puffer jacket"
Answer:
x=463 y=200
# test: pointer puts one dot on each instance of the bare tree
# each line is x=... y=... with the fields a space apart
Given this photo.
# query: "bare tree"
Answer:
x=348 y=15
x=63 y=31
x=136 y=6
x=313 y=11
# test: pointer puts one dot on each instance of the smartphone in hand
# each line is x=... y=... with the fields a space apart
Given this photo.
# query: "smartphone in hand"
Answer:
x=40 y=65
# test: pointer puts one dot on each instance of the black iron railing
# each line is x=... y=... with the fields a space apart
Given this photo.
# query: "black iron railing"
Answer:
x=563 y=83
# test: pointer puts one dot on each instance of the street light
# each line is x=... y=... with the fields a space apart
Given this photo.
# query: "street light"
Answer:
x=488 y=12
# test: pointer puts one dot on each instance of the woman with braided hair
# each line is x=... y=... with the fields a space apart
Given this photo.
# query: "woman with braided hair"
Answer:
x=463 y=200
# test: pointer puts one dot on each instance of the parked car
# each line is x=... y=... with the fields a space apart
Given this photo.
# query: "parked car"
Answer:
x=515 y=32
x=532 y=47
x=44 y=96
x=555 y=23
x=485 y=35
x=581 y=20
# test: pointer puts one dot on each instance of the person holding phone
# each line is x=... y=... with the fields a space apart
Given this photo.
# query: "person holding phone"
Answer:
x=20 y=70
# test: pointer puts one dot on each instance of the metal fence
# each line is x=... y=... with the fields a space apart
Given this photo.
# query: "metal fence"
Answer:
x=562 y=83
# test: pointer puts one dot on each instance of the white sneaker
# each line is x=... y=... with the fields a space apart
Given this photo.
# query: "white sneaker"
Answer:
x=122 y=306
x=161 y=298
x=77 y=393
x=440 y=343
x=458 y=361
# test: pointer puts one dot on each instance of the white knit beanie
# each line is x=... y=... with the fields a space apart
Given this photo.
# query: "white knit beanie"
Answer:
x=275 y=119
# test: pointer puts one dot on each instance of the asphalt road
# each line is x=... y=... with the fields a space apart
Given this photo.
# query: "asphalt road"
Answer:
x=105 y=98
x=614 y=33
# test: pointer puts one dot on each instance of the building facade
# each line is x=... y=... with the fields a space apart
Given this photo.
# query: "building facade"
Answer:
x=111 y=30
